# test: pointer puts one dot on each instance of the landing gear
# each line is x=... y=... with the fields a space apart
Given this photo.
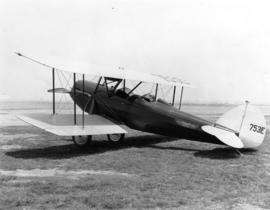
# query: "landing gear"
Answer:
x=81 y=141
x=115 y=138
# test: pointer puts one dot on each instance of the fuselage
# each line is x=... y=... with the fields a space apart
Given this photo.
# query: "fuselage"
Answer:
x=140 y=114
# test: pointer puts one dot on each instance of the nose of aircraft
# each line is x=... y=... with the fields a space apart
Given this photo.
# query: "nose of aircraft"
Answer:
x=82 y=100
x=89 y=87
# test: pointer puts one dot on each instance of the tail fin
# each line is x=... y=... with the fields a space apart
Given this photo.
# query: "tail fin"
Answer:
x=248 y=122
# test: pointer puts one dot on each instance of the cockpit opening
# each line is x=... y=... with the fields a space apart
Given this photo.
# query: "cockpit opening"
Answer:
x=126 y=93
x=123 y=92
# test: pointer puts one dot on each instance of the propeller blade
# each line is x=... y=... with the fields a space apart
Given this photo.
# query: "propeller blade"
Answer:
x=59 y=90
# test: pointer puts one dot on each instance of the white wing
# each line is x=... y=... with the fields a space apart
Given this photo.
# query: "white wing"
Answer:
x=106 y=70
x=63 y=124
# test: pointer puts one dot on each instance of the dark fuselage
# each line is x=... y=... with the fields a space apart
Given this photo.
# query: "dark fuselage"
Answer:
x=138 y=113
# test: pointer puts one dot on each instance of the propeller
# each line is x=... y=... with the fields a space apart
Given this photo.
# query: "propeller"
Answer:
x=59 y=90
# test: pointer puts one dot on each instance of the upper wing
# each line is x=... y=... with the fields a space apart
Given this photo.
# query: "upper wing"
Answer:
x=108 y=70
x=63 y=124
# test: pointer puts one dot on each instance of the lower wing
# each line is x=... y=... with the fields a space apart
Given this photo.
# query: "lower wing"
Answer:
x=63 y=124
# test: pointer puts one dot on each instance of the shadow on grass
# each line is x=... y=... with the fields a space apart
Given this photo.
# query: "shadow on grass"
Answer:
x=96 y=147
x=173 y=148
x=223 y=153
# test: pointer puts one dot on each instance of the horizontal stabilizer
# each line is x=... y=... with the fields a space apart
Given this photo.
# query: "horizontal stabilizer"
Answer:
x=227 y=137
x=63 y=124
x=59 y=90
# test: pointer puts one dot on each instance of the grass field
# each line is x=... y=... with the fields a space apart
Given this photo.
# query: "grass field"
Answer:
x=42 y=171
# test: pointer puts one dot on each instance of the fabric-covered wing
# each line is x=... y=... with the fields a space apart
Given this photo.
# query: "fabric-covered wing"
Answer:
x=107 y=69
x=63 y=124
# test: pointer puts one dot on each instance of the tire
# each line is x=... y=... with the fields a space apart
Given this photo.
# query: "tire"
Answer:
x=115 y=138
x=82 y=141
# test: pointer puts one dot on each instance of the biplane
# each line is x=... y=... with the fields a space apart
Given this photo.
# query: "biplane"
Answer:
x=110 y=104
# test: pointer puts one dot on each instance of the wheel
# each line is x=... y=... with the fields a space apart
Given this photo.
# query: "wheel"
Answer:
x=81 y=141
x=117 y=137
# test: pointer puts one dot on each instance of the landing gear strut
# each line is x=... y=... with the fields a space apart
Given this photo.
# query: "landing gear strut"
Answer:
x=81 y=141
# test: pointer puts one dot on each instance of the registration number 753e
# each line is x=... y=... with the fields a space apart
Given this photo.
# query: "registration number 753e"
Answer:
x=257 y=128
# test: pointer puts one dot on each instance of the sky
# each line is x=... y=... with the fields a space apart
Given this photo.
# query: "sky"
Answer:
x=221 y=47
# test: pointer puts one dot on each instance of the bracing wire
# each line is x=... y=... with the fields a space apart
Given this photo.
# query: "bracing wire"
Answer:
x=61 y=104
x=65 y=104
x=58 y=104
x=152 y=88
x=67 y=80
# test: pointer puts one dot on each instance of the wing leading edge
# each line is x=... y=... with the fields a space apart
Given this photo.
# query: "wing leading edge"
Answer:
x=108 y=70
x=63 y=124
